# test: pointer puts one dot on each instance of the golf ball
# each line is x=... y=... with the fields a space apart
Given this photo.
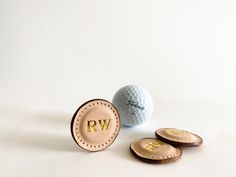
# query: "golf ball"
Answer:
x=134 y=105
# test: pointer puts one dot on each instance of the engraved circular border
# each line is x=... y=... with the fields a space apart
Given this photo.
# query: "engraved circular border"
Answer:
x=75 y=121
x=175 y=142
x=152 y=159
x=155 y=157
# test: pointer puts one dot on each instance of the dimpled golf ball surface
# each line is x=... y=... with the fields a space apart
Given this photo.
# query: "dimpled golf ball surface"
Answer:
x=134 y=105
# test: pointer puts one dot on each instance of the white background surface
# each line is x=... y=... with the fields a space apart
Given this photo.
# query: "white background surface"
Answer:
x=54 y=55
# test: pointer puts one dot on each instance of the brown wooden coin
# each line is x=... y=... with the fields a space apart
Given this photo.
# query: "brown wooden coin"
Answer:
x=177 y=137
x=95 y=125
x=152 y=150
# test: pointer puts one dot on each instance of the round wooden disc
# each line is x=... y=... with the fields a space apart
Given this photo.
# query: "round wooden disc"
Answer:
x=177 y=137
x=152 y=150
x=95 y=125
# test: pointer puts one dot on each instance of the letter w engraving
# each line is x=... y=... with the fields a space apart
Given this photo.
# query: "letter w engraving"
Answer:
x=103 y=123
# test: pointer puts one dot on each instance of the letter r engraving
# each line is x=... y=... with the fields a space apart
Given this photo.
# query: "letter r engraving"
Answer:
x=91 y=126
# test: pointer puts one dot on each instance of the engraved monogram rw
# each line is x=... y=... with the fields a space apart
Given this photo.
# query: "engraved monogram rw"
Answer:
x=92 y=125
x=153 y=145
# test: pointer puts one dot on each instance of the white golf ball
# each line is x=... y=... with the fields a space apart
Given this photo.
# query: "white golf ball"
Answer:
x=134 y=105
